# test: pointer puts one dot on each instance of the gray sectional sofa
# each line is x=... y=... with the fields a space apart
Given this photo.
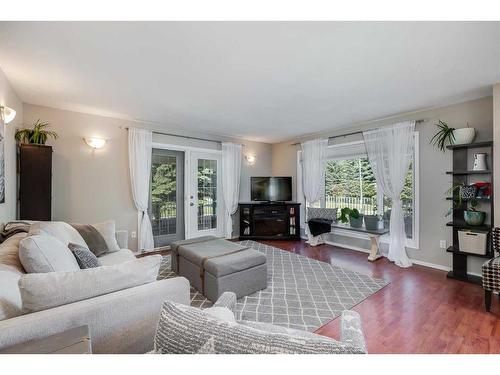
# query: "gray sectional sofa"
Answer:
x=123 y=321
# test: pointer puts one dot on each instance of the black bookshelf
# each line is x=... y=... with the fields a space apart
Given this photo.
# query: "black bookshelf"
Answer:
x=462 y=173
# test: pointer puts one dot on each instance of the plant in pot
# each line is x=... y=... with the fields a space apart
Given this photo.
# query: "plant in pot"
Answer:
x=451 y=136
x=38 y=134
x=466 y=193
x=372 y=221
x=351 y=216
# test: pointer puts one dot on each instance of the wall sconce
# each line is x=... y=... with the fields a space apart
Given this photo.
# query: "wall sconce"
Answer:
x=250 y=159
x=8 y=114
x=95 y=143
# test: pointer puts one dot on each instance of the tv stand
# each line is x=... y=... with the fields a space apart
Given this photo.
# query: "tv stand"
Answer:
x=269 y=221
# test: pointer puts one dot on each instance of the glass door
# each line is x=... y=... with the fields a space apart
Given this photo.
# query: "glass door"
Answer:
x=205 y=194
x=166 y=205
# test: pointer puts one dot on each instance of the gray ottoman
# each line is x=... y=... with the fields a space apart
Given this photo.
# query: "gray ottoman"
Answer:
x=214 y=266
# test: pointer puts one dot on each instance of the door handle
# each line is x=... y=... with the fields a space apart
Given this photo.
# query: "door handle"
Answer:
x=191 y=204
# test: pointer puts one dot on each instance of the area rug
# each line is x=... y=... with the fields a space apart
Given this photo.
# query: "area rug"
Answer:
x=302 y=293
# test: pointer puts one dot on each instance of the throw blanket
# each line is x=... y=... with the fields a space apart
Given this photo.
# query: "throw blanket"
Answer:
x=319 y=226
x=14 y=227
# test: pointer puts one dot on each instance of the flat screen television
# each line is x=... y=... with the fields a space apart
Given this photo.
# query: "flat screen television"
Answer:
x=271 y=189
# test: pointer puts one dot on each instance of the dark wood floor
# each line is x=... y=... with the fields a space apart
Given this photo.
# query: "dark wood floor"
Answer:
x=420 y=311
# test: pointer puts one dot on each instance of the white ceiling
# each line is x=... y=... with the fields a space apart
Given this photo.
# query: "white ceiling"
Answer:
x=262 y=81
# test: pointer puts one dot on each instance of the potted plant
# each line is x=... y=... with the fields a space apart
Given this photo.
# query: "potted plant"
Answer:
x=371 y=222
x=452 y=136
x=352 y=216
x=472 y=216
x=38 y=134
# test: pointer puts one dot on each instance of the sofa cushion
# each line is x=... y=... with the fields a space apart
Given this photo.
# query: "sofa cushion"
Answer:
x=94 y=240
x=184 y=330
x=107 y=230
x=110 y=259
x=9 y=252
x=47 y=290
x=235 y=262
x=10 y=297
x=84 y=257
x=60 y=230
x=43 y=253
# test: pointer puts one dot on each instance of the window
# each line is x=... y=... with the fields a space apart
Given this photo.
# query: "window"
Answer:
x=350 y=182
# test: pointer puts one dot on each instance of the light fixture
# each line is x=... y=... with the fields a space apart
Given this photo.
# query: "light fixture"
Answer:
x=95 y=143
x=8 y=114
x=250 y=159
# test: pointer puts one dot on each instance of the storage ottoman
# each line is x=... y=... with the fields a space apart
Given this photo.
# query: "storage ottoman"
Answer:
x=214 y=266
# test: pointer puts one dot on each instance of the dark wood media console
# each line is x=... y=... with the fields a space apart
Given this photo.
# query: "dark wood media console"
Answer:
x=269 y=221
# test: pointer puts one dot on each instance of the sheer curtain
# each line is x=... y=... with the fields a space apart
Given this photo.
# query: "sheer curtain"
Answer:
x=140 y=149
x=390 y=151
x=231 y=173
x=313 y=169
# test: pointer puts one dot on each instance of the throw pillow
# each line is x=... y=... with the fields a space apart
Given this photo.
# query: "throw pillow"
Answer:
x=107 y=230
x=94 y=240
x=47 y=290
x=84 y=257
x=187 y=330
x=43 y=253
x=58 y=229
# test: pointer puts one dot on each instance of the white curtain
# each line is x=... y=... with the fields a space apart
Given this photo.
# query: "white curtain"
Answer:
x=140 y=150
x=390 y=151
x=231 y=172
x=313 y=169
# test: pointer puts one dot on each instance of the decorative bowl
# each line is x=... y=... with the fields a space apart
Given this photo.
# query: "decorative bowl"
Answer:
x=474 y=217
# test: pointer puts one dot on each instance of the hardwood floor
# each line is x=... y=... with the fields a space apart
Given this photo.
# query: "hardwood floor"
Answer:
x=420 y=311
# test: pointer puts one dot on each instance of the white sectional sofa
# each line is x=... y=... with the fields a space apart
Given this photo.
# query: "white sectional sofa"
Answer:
x=123 y=321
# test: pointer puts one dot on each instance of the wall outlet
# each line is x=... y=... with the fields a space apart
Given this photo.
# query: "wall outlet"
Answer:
x=133 y=234
x=442 y=244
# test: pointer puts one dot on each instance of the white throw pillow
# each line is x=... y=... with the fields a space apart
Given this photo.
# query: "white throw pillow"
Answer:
x=44 y=253
x=108 y=231
x=60 y=230
x=46 y=290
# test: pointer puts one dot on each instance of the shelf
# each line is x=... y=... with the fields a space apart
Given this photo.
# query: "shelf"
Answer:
x=468 y=278
x=464 y=225
x=471 y=145
x=467 y=200
x=468 y=172
x=452 y=249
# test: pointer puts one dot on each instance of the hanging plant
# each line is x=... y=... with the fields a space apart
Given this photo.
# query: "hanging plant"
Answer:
x=443 y=136
x=38 y=134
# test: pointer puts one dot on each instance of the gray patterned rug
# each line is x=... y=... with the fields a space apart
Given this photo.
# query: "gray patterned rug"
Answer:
x=302 y=293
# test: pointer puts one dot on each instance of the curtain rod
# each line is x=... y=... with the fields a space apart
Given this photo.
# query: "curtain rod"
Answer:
x=354 y=133
x=182 y=136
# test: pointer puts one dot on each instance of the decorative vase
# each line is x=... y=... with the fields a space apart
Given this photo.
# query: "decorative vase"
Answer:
x=463 y=136
x=474 y=217
x=480 y=162
x=356 y=223
x=371 y=222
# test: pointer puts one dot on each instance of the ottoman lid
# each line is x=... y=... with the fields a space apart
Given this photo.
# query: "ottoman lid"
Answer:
x=197 y=252
x=231 y=263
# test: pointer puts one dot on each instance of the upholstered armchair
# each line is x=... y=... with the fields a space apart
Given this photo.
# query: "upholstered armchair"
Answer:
x=491 y=271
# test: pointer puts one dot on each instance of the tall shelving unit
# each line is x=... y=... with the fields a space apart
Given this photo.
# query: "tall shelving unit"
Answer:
x=462 y=173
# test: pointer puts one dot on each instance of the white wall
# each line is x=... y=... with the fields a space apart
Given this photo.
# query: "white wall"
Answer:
x=433 y=180
x=9 y=98
x=93 y=185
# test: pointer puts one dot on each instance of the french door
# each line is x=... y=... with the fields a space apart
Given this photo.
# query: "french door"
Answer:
x=166 y=204
x=205 y=203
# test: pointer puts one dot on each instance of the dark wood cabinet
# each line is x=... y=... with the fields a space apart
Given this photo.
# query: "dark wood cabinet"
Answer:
x=35 y=182
x=270 y=221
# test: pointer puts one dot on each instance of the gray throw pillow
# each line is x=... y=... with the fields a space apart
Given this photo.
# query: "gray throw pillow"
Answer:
x=187 y=330
x=84 y=257
x=94 y=240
